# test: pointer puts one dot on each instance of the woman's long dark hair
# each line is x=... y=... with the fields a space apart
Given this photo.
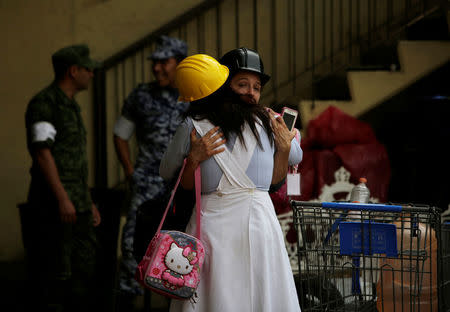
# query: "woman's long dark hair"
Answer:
x=224 y=108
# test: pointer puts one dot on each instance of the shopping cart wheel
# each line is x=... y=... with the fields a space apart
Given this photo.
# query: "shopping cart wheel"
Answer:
x=317 y=292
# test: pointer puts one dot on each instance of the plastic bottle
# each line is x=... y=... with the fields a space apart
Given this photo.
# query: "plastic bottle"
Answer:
x=360 y=193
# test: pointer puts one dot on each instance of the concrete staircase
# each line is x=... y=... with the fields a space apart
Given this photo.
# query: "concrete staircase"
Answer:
x=368 y=88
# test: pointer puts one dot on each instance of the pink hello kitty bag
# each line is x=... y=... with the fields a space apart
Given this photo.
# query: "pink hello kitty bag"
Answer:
x=171 y=265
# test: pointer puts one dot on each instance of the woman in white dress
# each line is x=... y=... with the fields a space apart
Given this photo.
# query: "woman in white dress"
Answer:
x=236 y=142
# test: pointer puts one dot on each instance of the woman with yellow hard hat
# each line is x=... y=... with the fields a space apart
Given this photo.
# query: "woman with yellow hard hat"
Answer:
x=246 y=266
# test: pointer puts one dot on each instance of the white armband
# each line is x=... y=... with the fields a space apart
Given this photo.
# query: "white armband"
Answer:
x=124 y=128
x=42 y=131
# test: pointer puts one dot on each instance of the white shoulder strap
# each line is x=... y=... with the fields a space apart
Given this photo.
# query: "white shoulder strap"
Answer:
x=227 y=161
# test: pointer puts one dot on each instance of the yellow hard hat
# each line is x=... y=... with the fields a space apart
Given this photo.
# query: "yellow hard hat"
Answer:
x=198 y=76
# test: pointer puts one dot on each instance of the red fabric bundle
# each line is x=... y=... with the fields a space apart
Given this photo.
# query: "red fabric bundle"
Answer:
x=335 y=139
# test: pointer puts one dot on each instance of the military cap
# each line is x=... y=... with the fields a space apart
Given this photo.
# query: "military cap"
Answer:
x=168 y=47
x=74 y=55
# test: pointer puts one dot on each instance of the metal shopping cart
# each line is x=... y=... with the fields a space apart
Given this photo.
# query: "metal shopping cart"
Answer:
x=368 y=257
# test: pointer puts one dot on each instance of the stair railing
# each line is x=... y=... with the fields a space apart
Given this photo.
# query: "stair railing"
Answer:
x=301 y=41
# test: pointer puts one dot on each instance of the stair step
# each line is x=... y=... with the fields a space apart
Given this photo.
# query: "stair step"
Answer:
x=369 y=88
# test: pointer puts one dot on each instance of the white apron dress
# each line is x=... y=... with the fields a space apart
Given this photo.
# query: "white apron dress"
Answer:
x=246 y=264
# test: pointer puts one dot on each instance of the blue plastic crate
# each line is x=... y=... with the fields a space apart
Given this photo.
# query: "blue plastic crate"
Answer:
x=383 y=238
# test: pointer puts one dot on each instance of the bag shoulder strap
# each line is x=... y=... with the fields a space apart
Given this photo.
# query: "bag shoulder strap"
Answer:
x=197 y=198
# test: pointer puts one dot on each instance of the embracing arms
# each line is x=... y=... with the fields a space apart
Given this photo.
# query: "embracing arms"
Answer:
x=201 y=149
x=187 y=144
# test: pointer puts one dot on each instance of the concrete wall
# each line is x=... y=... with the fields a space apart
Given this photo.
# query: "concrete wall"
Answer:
x=31 y=31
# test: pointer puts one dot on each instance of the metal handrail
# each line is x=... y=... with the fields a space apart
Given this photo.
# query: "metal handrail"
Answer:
x=173 y=24
x=332 y=39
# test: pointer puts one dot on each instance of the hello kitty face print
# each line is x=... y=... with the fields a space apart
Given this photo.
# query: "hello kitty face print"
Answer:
x=179 y=261
x=171 y=265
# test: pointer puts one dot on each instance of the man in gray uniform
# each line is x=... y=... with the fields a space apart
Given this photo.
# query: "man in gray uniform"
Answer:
x=152 y=111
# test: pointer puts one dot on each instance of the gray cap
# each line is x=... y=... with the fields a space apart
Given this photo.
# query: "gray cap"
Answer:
x=167 y=47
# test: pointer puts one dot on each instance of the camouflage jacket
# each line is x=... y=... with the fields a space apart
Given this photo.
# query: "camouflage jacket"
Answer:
x=156 y=113
x=68 y=147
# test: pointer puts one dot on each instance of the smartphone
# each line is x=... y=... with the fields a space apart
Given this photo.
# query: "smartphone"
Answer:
x=289 y=117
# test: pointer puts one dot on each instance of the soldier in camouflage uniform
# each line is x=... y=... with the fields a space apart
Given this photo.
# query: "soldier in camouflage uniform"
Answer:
x=153 y=111
x=59 y=222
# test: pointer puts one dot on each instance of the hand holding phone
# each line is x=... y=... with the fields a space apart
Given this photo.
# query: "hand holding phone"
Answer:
x=289 y=117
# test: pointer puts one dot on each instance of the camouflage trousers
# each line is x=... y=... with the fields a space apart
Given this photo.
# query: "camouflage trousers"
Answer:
x=128 y=263
x=61 y=259
x=146 y=188
x=136 y=234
